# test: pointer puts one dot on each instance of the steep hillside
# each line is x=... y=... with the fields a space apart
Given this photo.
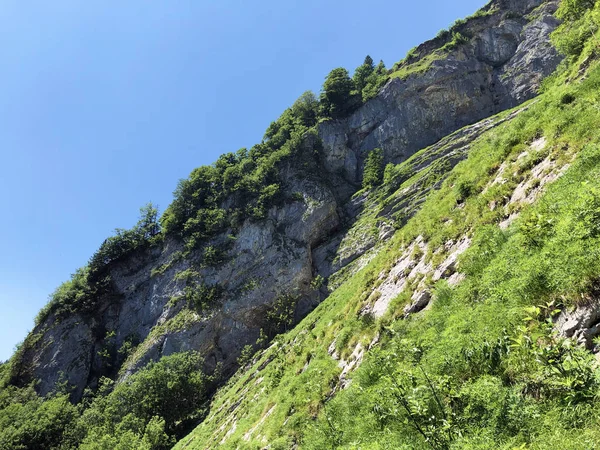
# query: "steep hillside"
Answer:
x=456 y=333
x=268 y=259
x=420 y=273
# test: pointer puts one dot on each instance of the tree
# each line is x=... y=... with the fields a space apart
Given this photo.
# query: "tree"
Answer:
x=336 y=95
x=148 y=225
x=306 y=108
x=373 y=173
x=374 y=82
x=362 y=74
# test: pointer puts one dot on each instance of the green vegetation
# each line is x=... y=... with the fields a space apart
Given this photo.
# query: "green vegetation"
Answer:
x=149 y=411
x=89 y=284
x=373 y=172
x=30 y=422
x=336 y=99
x=249 y=182
x=483 y=367
x=239 y=186
x=368 y=79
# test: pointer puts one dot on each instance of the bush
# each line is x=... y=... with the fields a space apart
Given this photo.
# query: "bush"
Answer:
x=124 y=242
x=464 y=189
x=29 y=422
x=152 y=406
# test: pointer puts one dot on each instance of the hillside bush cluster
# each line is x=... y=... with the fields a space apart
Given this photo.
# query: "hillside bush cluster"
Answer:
x=148 y=411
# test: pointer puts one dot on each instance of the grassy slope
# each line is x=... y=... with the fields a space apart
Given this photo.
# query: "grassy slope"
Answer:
x=460 y=373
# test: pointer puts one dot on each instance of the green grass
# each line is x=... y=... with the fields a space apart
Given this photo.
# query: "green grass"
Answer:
x=494 y=394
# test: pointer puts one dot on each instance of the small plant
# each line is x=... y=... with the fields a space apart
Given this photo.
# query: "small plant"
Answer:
x=317 y=282
x=464 y=189
x=245 y=356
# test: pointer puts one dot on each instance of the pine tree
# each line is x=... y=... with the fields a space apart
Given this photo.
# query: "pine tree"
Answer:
x=373 y=173
x=362 y=74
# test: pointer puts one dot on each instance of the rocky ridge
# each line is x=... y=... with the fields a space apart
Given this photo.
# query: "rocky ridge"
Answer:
x=271 y=264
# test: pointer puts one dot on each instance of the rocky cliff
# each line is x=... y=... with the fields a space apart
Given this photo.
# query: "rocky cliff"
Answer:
x=270 y=276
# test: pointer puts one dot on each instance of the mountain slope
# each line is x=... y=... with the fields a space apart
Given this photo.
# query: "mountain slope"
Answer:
x=419 y=280
x=481 y=367
x=269 y=263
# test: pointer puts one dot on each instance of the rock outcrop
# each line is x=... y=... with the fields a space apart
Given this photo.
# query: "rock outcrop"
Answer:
x=502 y=65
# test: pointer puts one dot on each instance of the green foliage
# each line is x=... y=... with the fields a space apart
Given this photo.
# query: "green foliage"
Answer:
x=78 y=294
x=29 y=422
x=336 y=99
x=124 y=242
x=248 y=182
x=457 y=40
x=564 y=369
x=488 y=240
x=374 y=82
x=373 y=172
x=580 y=26
x=572 y=10
x=148 y=409
x=245 y=356
x=305 y=109
x=587 y=212
x=362 y=74
x=87 y=285
x=368 y=79
x=212 y=255
x=482 y=367
x=464 y=189
x=202 y=297
x=281 y=315
x=317 y=282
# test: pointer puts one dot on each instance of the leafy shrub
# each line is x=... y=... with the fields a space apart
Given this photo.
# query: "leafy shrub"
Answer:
x=202 y=297
x=124 y=242
x=457 y=40
x=464 y=189
x=149 y=408
x=30 y=422
x=535 y=229
x=587 y=212
x=579 y=25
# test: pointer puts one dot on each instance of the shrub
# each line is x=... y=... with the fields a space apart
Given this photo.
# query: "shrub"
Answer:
x=464 y=189
x=152 y=405
x=30 y=422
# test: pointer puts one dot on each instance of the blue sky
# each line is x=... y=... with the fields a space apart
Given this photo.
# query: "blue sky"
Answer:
x=104 y=105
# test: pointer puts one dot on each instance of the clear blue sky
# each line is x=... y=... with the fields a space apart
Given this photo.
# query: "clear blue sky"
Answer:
x=104 y=105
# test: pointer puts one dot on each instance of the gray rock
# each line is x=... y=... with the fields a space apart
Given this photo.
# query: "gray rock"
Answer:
x=420 y=301
x=581 y=323
x=502 y=66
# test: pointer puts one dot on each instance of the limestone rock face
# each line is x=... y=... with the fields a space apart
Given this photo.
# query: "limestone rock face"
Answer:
x=581 y=323
x=508 y=55
x=272 y=263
